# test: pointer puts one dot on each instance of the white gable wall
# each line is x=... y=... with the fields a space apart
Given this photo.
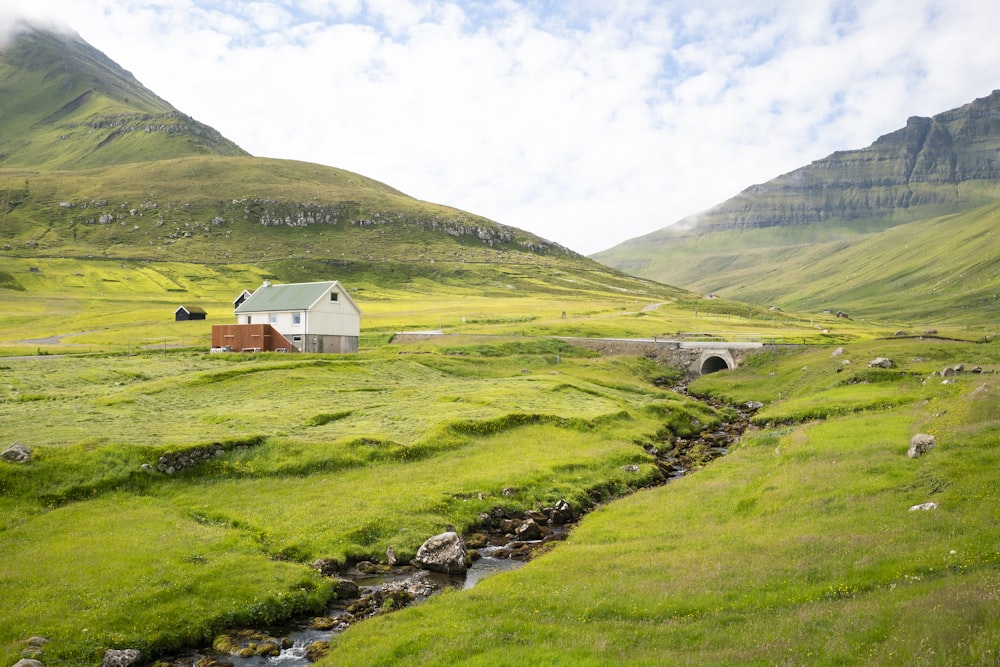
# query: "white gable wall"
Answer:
x=333 y=318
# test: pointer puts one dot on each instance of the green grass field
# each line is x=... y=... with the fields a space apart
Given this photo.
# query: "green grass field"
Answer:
x=798 y=547
x=343 y=456
x=326 y=456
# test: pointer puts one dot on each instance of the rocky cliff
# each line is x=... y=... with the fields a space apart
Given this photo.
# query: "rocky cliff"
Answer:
x=939 y=161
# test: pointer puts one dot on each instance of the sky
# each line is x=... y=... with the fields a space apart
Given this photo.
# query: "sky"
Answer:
x=585 y=122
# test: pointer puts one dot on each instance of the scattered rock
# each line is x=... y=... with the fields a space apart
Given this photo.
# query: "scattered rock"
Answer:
x=529 y=530
x=919 y=444
x=346 y=589
x=16 y=453
x=881 y=362
x=328 y=566
x=631 y=467
x=754 y=405
x=930 y=332
x=443 y=553
x=924 y=506
x=836 y=353
x=121 y=657
x=28 y=662
x=561 y=513
x=317 y=650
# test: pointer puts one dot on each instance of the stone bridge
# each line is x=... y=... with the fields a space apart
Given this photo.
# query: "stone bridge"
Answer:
x=694 y=358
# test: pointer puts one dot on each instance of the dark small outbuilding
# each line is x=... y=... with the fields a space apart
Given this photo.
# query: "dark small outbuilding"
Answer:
x=189 y=313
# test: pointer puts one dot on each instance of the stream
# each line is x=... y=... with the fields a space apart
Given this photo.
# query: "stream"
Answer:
x=303 y=641
x=373 y=589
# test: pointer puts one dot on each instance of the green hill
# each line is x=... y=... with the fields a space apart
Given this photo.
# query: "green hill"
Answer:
x=115 y=208
x=812 y=238
x=66 y=104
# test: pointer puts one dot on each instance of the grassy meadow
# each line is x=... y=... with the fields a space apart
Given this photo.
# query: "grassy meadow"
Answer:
x=69 y=305
x=325 y=456
x=798 y=547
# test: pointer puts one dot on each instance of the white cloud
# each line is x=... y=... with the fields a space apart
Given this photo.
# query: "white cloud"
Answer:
x=584 y=124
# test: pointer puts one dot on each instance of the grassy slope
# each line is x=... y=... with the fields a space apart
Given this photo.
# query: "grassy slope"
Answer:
x=168 y=561
x=66 y=105
x=210 y=209
x=502 y=416
x=797 y=548
x=113 y=305
x=924 y=272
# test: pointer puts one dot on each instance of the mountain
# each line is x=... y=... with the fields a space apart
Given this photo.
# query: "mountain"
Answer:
x=66 y=104
x=94 y=164
x=765 y=244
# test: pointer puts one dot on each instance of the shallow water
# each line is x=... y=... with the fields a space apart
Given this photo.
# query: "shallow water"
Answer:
x=302 y=635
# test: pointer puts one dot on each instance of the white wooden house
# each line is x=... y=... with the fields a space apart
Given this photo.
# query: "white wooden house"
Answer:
x=302 y=317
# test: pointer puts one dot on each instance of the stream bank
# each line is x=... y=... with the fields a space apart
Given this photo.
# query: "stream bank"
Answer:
x=503 y=541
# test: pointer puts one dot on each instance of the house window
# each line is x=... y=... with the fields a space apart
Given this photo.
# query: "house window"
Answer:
x=272 y=318
x=333 y=296
x=296 y=318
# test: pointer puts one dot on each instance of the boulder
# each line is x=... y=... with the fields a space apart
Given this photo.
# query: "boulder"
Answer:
x=924 y=506
x=561 y=513
x=836 y=353
x=346 y=589
x=126 y=657
x=529 y=530
x=919 y=444
x=881 y=362
x=28 y=662
x=327 y=566
x=443 y=553
x=16 y=453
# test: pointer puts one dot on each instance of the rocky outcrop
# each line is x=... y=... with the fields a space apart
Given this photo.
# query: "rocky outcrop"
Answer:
x=121 y=657
x=923 y=507
x=16 y=453
x=917 y=165
x=920 y=444
x=173 y=462
x=443 y=553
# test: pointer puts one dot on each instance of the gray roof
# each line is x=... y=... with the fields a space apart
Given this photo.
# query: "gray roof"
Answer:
x=294 y=296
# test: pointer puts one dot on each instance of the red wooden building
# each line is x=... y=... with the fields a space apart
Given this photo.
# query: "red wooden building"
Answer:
x=248 y=338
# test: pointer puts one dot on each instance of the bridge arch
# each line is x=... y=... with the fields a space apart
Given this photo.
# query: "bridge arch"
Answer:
x=712 y=361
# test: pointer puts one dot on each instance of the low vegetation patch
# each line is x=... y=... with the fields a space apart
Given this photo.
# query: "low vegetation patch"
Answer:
x=144 y=457
x=799 y=547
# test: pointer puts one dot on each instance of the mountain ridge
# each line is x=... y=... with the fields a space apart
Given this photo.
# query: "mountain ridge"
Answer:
x=67 y=105
x=764 y=245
